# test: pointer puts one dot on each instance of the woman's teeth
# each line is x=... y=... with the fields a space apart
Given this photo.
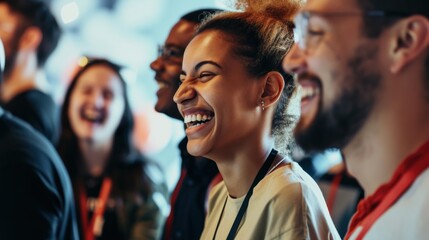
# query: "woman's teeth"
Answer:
x=92 y=115
x=196 y=119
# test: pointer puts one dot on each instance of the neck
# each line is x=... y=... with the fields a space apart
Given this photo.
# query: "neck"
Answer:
x=24 y=76
x=95 y=156
x=240 y=168
x=393 y=131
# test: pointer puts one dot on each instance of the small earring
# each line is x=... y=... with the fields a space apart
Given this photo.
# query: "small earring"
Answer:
x=262 y=105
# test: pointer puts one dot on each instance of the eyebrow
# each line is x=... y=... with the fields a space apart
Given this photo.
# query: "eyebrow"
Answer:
x=200 y=64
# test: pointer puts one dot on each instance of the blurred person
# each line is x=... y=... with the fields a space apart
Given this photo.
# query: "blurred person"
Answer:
x=341 y=190
x=119 y=194
x=198 y=174
x=37 y=197
x=365 y=65
x=30 y=34
x=235 y=98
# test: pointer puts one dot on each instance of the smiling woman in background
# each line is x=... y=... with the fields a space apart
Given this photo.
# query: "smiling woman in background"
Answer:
x=234 y=98
x=119 y=195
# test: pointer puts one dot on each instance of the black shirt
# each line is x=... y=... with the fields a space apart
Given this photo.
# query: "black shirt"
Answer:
x=37 y=198
x=37 y=109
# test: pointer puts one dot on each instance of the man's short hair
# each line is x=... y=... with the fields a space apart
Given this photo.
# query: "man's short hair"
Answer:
x=38 y=14
x=374 y=26
x=199 y=15
x=409 y=7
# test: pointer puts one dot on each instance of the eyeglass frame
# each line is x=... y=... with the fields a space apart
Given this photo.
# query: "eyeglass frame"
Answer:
x=164 y=52
x=302 y=19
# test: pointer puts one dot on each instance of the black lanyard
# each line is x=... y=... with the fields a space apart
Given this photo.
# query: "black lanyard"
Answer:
x=262 y=172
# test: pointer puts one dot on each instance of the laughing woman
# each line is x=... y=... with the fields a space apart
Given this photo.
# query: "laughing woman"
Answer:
x=234 y=98
x=118 y=194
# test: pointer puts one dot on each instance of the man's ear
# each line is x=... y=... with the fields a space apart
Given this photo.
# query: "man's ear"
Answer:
x=411 y=39
x=30 y=39
x=273 y=88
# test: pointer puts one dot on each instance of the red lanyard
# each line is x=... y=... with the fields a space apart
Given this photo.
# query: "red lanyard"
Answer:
x=92 y=228
x=169 y=223
x=404 y=177
x=333 y=191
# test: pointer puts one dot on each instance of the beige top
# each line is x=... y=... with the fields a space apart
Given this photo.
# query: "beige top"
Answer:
x=286 y=204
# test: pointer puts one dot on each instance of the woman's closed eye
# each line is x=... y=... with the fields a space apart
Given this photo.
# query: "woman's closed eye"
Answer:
x=205 y=76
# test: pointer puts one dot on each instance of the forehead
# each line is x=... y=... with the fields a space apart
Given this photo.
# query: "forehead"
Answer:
x=331 y=5
x=181 y=34
x=210 y=45
x=100 y=75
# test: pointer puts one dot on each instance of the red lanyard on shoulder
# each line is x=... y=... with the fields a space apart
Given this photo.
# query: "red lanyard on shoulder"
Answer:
x=93 y=227
x=408 y=171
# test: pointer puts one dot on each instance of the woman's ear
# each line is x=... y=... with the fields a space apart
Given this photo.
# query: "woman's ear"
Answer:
x=273 y=88
x=30 y=39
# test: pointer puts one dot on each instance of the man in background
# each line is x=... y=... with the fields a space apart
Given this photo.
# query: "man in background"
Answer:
x=37 y=198
x=30 y=34
x=188 y=200
x=364 y=64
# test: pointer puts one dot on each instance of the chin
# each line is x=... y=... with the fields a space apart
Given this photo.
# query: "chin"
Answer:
x=195 y=149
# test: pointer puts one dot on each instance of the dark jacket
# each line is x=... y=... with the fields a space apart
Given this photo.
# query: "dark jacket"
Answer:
x=188 y=211
x=37 y=199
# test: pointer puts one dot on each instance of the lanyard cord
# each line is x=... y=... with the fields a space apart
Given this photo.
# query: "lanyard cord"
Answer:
x=262 y=172
x=90 y=226
x=405 y=175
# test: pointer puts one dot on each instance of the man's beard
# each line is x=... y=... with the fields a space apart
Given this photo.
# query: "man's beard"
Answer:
x=337 y=125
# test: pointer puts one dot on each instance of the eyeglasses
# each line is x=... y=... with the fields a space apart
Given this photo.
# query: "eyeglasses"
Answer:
x=303 y=35
x=171 y=54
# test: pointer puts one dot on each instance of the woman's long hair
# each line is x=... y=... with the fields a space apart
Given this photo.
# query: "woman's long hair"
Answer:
x=125 y=164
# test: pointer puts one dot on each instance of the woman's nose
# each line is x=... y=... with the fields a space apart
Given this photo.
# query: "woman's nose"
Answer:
x=184 y=93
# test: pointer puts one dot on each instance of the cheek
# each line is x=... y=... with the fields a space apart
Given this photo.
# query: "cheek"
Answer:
x=74 y=119
x=173 y=71
x=116 y=111
x=73 y=110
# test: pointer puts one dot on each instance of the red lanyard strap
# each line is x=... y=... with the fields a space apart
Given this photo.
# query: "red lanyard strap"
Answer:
x=89 y=228
x=333 y=191
x=408 y=171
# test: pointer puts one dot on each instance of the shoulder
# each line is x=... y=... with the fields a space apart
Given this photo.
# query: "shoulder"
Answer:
x=295 y=204
x=292 y=192
x=289 y=181
x=217 y=197
x=22 y=144
x=33 y=99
